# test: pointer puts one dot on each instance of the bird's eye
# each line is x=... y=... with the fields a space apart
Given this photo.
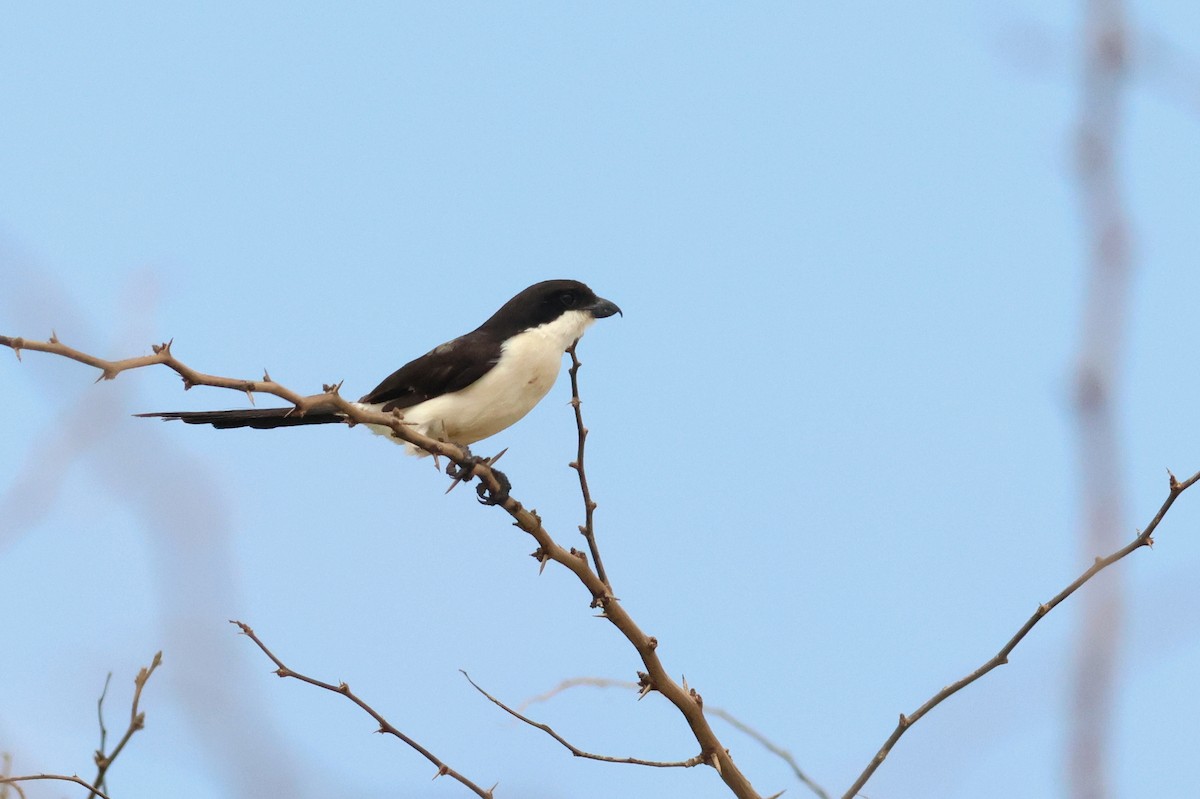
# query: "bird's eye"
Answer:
x=567 y=299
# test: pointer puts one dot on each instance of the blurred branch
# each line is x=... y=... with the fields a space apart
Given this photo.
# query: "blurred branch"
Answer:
x=61 y=777
x=384 y=725
x=136 y=722
x=1105 y=71
x=655 y=678
x=589 y=507
x=721 y=713
x=1143 y=539
x=692 y=761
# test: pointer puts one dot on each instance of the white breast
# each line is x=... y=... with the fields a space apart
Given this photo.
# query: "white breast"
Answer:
x=528 y=366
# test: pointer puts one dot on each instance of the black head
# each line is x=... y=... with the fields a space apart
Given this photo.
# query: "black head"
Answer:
x=546 y=301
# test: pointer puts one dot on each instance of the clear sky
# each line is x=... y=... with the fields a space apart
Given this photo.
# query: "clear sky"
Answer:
x=831 y=435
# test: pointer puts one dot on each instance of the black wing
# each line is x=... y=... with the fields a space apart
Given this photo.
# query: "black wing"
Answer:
x=446 y=368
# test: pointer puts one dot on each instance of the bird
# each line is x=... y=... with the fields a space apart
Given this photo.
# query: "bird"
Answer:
x=469 y=388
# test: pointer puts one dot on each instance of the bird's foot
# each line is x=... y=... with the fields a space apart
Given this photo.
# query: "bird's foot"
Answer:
x=462 y=472
x=498 y=497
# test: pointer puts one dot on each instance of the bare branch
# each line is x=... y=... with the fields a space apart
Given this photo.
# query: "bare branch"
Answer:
x=1143 y=539
x=136 y=722
x=62 y=777
x=384 y=725
x=655 y=678
x=721 y=713
x=588 y=528
x=692 y=761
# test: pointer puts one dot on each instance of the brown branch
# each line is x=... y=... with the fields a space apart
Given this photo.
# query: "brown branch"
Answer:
x=136 y=722
x=655 y=678
x=384 y=725
x=62 y=777
x=576 y=751
x=1143 y=539
x=588 y=528
x=721 y=713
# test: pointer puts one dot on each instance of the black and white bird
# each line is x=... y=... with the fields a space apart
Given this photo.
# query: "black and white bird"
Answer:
x=469 y=388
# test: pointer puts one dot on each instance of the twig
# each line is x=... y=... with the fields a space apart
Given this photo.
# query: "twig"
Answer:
x=100 y=718
x=655 y=678
x=384 y=725
x=690 y=762
x=62 y=777
x=1000 y=658
x=588 y=528
x=721 y=713
x=772 y=747
x=136 y=722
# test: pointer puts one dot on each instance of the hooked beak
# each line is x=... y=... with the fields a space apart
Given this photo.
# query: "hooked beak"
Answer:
x=602 y=308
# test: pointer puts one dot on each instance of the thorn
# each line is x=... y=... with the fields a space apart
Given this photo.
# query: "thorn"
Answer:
x=1173 y=482
x=442 y=771
x=250 y=396
x=716 y=762
x=53 y=336
x=1150 y=541
x=492 y=460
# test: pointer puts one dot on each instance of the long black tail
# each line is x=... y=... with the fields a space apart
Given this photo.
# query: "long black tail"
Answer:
x=260 y=418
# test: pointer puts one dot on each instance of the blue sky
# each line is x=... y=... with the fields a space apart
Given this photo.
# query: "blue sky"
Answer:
x=832 y=441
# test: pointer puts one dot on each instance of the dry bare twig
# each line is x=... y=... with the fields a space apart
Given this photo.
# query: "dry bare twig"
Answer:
x=137 y=721
x=655 y=678
x=1143 y=539
x=588 y=528
x=575 y=750
x=721 y=713
x=385 y=726
x=61 y=777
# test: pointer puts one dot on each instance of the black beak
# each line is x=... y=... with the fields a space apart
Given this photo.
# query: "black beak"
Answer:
x=602 y=308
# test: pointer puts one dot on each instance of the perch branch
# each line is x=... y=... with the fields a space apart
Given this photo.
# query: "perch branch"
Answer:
x=1143 y=539
x=655 y=678
x=384 y=725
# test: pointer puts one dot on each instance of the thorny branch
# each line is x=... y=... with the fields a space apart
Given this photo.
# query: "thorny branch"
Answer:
x=384 y=725
x=136 y=722
x=546 y=728
x=1143 y=539
x=588 y=528
x=655 y=678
